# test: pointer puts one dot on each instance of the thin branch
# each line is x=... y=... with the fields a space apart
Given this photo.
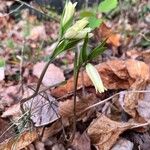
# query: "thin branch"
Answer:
x=13 y=11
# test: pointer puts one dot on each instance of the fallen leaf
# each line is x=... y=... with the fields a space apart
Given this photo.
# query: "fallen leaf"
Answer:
x=104 y=132
x=13 y=110
x=132 y=98
x=8 y=96
x=4 y=132
x=144 y=105
x=52 y=76
x=66 y=113
x=115 y=74
x=18 y=143
x=38 y=33
x=66 y=108
x=81 y=142
x=43 y=109
x=106 y=32
x=123 y=144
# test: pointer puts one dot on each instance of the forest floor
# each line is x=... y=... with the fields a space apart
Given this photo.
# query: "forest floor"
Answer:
x=117 y=119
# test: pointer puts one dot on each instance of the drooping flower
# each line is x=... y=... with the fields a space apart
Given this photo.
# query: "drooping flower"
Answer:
x=78 y=30
x=68 y=12
x=95 y=78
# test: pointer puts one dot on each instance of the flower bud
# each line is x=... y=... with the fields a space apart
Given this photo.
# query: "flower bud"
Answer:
x=83 y=33
x=76 y=29
x=68 y=12
x=95 y=78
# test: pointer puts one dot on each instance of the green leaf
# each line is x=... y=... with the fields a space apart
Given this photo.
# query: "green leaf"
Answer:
x=107 y=5
x=83 y=53
x=2 y=62
x=87 y=14
x=71 y=43
x=94 y=22
x=97 y=51
x=58 y=49
x=63 y=46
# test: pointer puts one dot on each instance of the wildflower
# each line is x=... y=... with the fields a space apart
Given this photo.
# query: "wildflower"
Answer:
x=83 y=33
x=95 y=78
x=78 y=30
x=68 y=12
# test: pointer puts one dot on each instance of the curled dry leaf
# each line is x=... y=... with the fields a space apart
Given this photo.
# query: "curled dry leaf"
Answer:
x=53 y=75
x=104 y=132
x=106 y=32
x=20 y=142
x=131 y=98
x=123 y=144
x=115 y=74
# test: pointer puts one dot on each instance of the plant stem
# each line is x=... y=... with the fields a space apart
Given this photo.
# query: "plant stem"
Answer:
x=76 y=74
x=38 y=86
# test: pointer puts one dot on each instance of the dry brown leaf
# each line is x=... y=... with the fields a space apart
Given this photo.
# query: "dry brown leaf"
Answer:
x=131 y=99
x=4 y=125
x=66 y=107
x=144 y=105
x=106 y=32
x=20 y=142
x=66 y=112
x=13 y=110
x=81 y=142
x=123 y=144
x=43 y=111
x=38 y=33
x=104 y=132
x=52 y=76
x=116 y=74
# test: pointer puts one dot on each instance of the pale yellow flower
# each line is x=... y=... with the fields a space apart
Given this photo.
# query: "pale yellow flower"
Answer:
x=78 y=30
x=95 y=78
x=68 y=12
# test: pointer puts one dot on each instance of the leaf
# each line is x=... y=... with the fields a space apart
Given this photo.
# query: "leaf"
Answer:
x=18 y=143
x=104 y=132
x=94 y=22
x=53 y=75
x=2 y=62
x=107 y=5
x=115 y=74
x=123 y=144
x=83 y=52
x=105 y=32
x=81 y=142
x=97 y=51
x=87 y=13
x=37 y=33
x=63 y=46
x=44 y=108
x=144 y=105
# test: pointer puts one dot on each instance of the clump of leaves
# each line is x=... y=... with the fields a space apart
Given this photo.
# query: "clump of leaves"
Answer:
x=105 y=7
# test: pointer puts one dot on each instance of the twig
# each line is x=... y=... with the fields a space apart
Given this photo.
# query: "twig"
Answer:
x=13 y=124
x=5 y=15
x=109 y=98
